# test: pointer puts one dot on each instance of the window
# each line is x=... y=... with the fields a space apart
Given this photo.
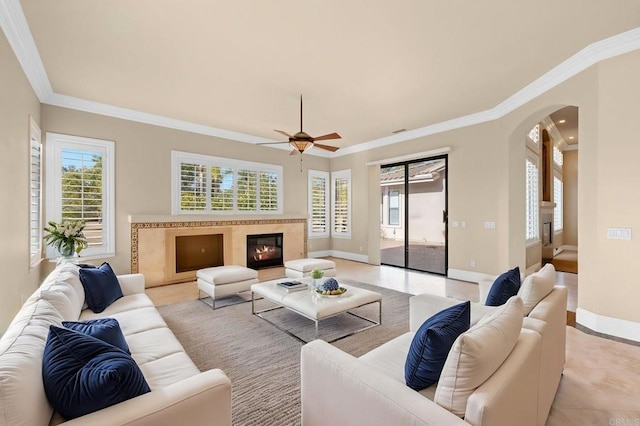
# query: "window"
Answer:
x=532 y=198
x=394 y=207
x=35 y=193
x=204 y=184
x=557 y=198
x=533 y=138
x=80 y=186
x=318 y=204
x=558 y=157
x=341 y=204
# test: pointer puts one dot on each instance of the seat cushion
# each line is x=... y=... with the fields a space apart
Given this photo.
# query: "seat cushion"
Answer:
x=82 y=374
x=431 y=344
x=504 y=287
x=168 y=370
x=101 y=287
x=106 y=329
x=308 y=265
x=226 y=274
x=477 y=354
x=133 y=321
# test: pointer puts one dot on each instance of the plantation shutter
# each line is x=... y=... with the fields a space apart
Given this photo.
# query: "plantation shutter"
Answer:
x=247 y=190
x=193 y=187
x=319 y=203
x=221 y=189
x=82 y=194
x=268 y=191
x=35 y=195
x=532 y=202
x=341 y=204
x=557 y=198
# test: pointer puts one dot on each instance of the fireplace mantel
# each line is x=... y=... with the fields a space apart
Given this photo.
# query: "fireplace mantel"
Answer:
x=151 y=239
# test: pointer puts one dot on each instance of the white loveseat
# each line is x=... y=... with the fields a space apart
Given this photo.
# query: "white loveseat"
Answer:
x=180 y=393
x=338 y=388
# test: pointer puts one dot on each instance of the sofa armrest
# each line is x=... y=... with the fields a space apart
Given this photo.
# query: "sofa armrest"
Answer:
x=131 y=284
x=339 y=389
x=510 y=395
x=204 y=399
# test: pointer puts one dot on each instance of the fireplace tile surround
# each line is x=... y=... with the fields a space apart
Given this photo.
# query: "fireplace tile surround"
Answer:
x=153 y=240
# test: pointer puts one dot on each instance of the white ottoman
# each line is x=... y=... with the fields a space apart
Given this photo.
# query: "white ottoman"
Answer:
x=221 y=281
x=301 y=268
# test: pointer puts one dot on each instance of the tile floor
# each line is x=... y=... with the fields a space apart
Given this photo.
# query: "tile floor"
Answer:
x=601 y=382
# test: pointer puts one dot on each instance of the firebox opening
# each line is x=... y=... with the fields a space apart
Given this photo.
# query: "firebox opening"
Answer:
x=264 y=251
x=195 y=252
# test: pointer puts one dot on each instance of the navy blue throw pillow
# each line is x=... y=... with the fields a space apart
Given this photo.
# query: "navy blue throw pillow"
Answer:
x=101 y=287
x=431 y=345
x=504 y=287
x=106 y=329
x=82 y=374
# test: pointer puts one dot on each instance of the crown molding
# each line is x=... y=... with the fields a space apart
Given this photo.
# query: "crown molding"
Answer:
x=16 y=29
x=142 y=117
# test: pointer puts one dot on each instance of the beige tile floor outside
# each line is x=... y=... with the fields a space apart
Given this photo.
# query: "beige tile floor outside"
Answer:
x=601 y=381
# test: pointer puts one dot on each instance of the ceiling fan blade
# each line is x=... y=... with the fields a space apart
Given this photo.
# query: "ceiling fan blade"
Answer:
x=270 y=143
x=327 y=147
x=294 y=152
x=328 y=137
x=283 y=133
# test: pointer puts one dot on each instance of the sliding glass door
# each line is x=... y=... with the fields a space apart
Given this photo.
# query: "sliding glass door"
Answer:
x=413 y=215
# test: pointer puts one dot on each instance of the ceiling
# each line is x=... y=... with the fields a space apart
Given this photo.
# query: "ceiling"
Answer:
x=365 y=69
x=566 y=121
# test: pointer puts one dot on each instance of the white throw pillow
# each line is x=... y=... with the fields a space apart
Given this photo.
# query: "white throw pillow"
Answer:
x=477 y=354
x=537 y=286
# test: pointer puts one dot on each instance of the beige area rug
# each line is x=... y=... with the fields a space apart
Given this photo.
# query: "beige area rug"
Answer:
x=263 y=362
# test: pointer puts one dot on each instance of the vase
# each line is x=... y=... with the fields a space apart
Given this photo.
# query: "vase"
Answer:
x=319 y=283
x=68 y=250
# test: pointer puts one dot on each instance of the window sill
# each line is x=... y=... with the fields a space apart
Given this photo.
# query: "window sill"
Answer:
x=533 y=243
x=343 y=237
x=81 y=259
x=317 y=236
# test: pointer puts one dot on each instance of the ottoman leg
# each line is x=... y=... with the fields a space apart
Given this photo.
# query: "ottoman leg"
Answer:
x=203 y=299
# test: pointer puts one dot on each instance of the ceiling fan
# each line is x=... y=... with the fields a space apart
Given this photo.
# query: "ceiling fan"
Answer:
x=301 y=141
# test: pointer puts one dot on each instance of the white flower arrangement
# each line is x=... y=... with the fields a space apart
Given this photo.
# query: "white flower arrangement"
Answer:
x=67 y=237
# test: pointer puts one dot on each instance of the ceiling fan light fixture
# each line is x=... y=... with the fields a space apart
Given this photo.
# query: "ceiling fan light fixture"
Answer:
x=301 y=145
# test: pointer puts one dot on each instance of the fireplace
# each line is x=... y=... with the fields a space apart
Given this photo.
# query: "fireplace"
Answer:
x=264 y=251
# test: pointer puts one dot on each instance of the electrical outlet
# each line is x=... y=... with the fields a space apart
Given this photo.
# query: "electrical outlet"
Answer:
x=463 y=224
x=489 y=225
x=455 y=224
x=360 y=248
x=473 y=263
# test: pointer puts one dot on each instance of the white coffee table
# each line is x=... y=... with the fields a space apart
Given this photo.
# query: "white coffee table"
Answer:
x=314 y=306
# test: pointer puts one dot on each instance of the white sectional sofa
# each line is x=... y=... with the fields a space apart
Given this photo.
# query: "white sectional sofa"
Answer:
x=338 y=388
x=180 y=393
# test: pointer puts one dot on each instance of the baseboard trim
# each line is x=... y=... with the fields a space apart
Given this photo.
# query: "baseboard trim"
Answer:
x=565 y=247
x=340 y=254
x=462 y=275
x=607 y=325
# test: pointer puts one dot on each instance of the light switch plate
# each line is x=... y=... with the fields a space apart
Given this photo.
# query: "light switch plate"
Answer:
x=618 y=233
